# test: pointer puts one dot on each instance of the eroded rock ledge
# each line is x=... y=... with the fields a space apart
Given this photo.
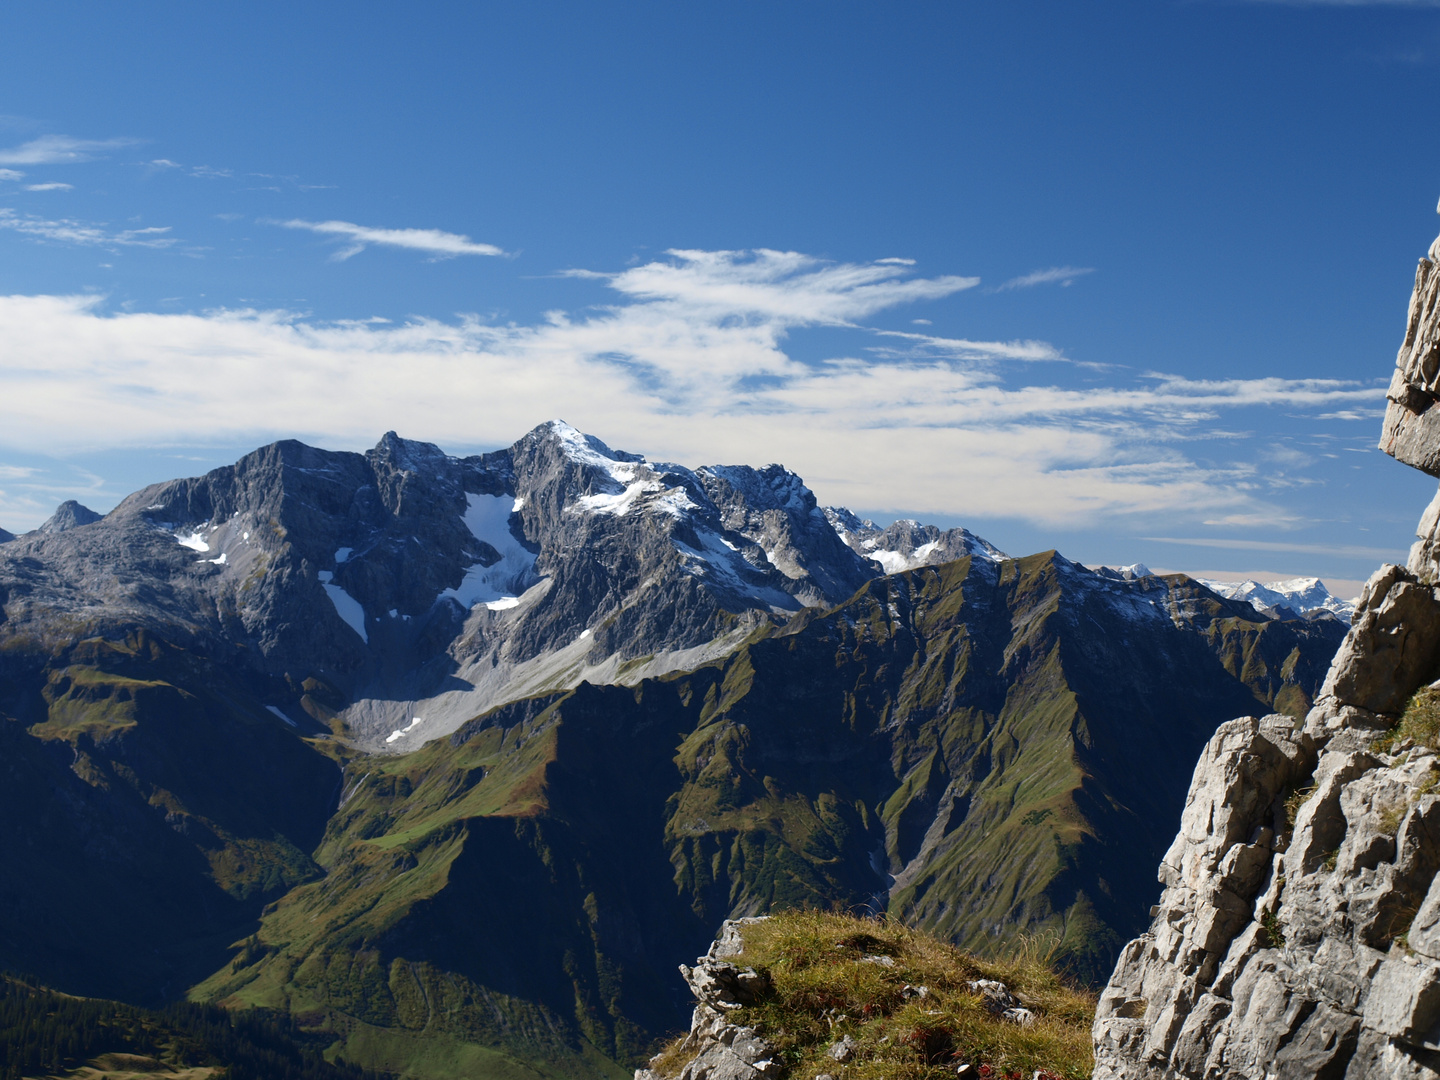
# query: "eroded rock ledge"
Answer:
x=1298 y=934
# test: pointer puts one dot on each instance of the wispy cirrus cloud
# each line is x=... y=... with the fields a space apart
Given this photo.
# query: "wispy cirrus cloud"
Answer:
x=927 y=345
x=52 y=185
x=84 y=234
x=11 y=174
x=1055 y=275
x=60 y=150
x=356 y=238
x=786 y=287
x=1353 y=414
x=690 y=362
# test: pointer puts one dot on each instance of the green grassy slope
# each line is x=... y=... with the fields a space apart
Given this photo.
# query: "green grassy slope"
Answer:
x=984 y=752
x=149 y=807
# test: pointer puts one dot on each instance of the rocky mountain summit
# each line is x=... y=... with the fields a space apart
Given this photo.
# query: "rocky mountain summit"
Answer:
x=69 y=515
x=1297 y=932
x=420 y=589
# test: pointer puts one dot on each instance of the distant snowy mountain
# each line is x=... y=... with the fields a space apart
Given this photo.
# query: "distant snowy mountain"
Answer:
x=1133 y=572
x=1302 y=595
x=907 y=544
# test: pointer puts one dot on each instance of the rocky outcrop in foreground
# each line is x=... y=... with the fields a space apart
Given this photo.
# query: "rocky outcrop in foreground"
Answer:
x=722 y=1050
x=1298 y=934
x=831 y=996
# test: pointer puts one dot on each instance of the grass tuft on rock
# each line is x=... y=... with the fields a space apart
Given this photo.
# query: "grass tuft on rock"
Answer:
x=1420 y=722
x=829 y=979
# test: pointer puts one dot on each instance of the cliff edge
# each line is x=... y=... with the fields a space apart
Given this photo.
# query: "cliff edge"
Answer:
x=1298 y=934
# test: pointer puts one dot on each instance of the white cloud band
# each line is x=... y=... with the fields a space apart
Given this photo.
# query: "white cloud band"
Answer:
x=690 y=365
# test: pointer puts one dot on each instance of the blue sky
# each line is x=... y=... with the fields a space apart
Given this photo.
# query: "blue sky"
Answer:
x=1125 y=279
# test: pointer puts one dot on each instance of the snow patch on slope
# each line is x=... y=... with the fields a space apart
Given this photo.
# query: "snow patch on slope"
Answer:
x=717 y=557
x=1132 y=572
x=346 y=606
x=634 y=481
x=907 y=544
x=497 y=586
x=194 y=540
x=400 y=732
x=621 y=503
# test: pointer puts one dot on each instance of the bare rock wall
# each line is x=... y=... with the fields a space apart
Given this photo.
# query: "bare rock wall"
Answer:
x=1298 y=934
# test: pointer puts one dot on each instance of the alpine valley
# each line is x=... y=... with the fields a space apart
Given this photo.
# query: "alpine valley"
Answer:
x=454 y=759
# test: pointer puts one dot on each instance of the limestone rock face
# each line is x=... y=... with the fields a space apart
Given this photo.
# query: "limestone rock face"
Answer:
x=1298 y=934
x=1279 y=949
x=1412 y=432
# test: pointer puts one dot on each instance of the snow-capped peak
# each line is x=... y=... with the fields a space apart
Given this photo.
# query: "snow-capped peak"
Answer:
x=587 y=449
x=1301 y=595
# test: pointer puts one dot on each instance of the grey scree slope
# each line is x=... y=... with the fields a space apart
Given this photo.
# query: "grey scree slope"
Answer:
x=1313 y=949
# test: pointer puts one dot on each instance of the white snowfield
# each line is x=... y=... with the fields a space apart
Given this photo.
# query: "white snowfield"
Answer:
x=895 y=562
x=499 y=585
x=194 y=540
x=866 y=538
x=674 y=501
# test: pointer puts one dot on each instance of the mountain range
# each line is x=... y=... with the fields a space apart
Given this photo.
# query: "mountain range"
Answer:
x=455 y=757
x=1291 y=597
